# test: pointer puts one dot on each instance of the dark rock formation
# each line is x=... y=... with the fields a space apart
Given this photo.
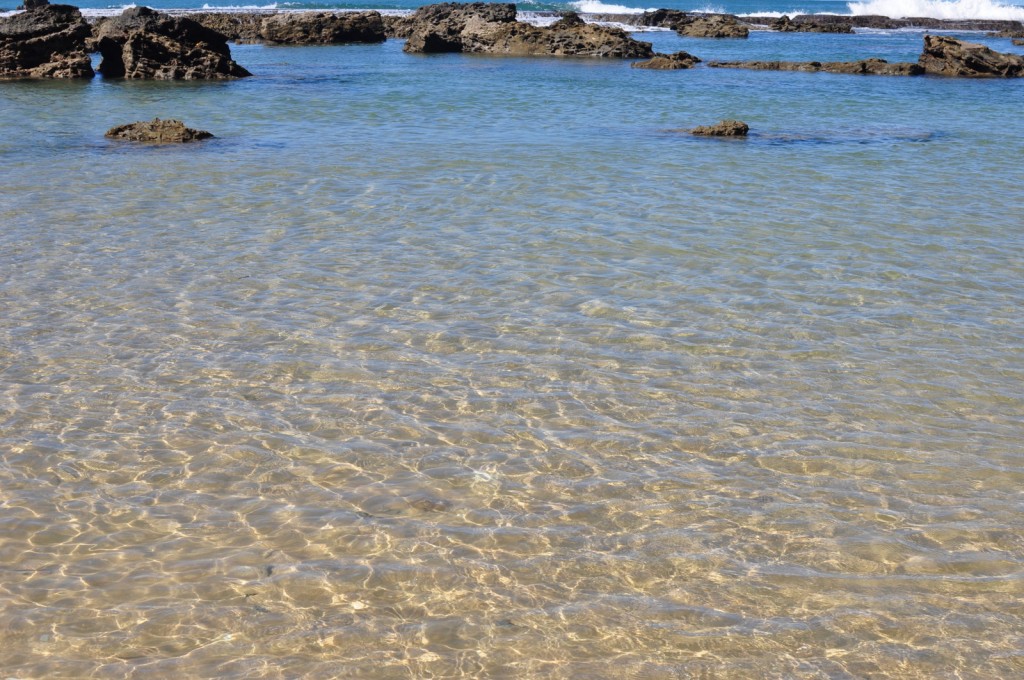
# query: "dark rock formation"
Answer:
x=241 y=27
x=144 y=43
x=667 y=62
x=863 y=67
x=397 y=26
x=1010 y=31
x=34 y=4
x=1018 y=41
x=308 y=28
x=727 y=128
x=491 y=28
x=157 y=131
x=809 y=25
x=694 y=25
x=663 y=18
x=711 y=26
x=46 y=41
x=945 y=56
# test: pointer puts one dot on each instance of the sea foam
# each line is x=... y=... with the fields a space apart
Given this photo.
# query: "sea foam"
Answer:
x=939 y=9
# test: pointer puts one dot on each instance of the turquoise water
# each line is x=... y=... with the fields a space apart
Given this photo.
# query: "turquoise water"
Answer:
x=453 y=366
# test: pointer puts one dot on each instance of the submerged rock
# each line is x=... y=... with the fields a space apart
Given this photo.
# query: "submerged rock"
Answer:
x=310 y=28
x=679 y=60
x=144 y=43
x=872 y=66
x=45 y=41
x=157 y=131
x=491 y=28
x=726 y=128
x=945 y=56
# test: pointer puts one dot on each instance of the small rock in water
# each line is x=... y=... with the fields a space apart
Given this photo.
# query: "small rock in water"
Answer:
x=668 y=62
x=157 y=131
x=727 y=128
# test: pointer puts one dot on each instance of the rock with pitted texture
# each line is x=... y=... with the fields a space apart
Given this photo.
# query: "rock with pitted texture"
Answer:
x=871 y=66
x=667 y=62
x=491 y=28
x=323 y=28
x=726 y=128
x=144 y=43
x=711 y=26
x=945 y=56
x=157 y=131
x=240 y=27
x=809 y=25
x=45 y=41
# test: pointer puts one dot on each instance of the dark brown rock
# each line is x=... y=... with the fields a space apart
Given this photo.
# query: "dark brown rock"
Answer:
x=711 y=26
x=144 y=43
x=241 y=27
x=397 y=26
x=665 y=62
x=157 y=131
x=726 y=128
x=945 y=56
x=312 y=28
x=47 y=41
x=1010 y=32
x=787 y=25
x=491 y=28
x=879 y=67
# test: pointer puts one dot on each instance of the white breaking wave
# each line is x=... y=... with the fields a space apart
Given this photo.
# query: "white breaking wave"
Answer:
x=939 y=9
x=238 y=8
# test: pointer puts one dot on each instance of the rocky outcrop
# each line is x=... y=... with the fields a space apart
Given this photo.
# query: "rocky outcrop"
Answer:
x=397 y=26
x=726 y=128
x=46 y=41
x=144 y=43
x=696 y=25
x=666 y=62
x=157 y=131
x=711 y=26
x=1009 y=32
x=323 y=28
x=240 y=27
x=945 y=56
x=878 y=67
x=809 y=25
x=1018 y=41
x=491 y=28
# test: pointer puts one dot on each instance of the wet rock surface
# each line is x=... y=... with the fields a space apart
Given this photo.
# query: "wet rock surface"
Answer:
x=711 y=26
x=809 y=25
x=726 y=128
x=45 y=41
x=668 y=62
x=946 y=56
x=144 y=43
x=311 y=28
x=485 y=28
x=862 y=67
x=157 y=131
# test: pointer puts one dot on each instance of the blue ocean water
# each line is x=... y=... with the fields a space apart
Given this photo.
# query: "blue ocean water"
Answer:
x=465 y=366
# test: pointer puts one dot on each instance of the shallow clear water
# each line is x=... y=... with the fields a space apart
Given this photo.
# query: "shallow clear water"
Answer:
x=451 y=366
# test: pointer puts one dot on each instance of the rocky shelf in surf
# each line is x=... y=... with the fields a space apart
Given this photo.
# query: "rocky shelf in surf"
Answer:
x=55 y=41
